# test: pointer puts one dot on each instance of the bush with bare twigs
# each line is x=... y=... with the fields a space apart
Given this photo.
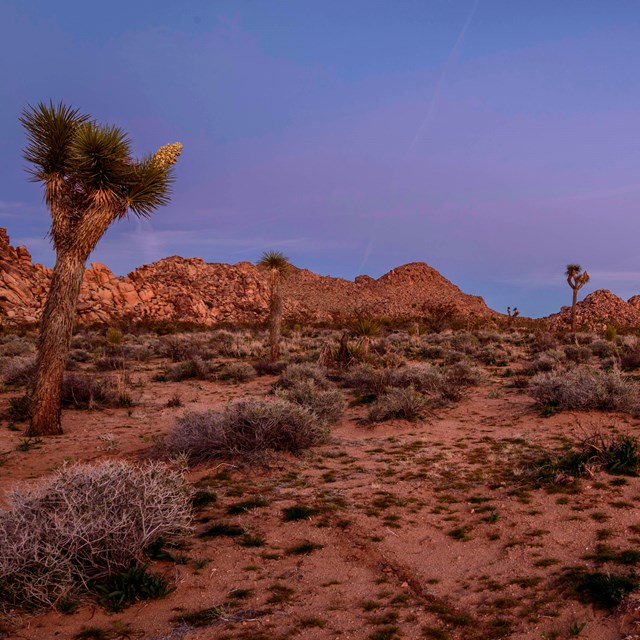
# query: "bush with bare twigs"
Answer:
x=585 y=388
x=247 y=429
x=87 y=522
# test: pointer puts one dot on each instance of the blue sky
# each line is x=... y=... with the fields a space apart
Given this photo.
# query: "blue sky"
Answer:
x=496 y=140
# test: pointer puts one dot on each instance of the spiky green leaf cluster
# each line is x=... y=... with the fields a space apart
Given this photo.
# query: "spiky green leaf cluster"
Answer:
x=69 y=148
x=275 y=261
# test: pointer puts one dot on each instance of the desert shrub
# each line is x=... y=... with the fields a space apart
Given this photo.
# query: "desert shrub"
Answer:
x=492 y=355
x=602 y=590
x=366 y=381
x=546 y=361
x=584 y=388
x=19 y=371
x=630 y=361
x=19 y=408
x=610 y=333
x=180 y=348
x=114 y=336
x=247 y=429
x=464 y=342
x=79 y=355
x=85 y=523
x=237 y=372
x=89 y=340
x=16 y=347
x=618 y=454
x=269 y=367
x=577 y=354
x=543 y=341
x=423 y=378
x=602 y=348
x=398 y=403
x=86 y=392
x=430 y=352
x=296 y=373
x=110 y=363
x=327 y=404
x=194 y=368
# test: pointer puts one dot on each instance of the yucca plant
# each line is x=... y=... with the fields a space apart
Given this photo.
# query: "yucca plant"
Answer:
x=364 y=329
x=277 y=266
x=90 y=180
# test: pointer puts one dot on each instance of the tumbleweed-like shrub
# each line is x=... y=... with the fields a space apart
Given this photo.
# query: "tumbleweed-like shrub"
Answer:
x=326 y=403
x=585 y=388
x=247 y=429
x=85 y=523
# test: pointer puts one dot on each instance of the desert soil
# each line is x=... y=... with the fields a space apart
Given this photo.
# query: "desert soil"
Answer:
x=416 y=530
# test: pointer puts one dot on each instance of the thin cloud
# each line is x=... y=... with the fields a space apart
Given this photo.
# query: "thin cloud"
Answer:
x=435 y=98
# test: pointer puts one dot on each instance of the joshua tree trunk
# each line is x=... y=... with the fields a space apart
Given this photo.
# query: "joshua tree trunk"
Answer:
x=275 y=315
x=55 y=337
x=574 y=302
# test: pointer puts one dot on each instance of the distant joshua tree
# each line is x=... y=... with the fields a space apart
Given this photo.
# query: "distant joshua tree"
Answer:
x=90 y=180
x=576 y=279
x=277 y=265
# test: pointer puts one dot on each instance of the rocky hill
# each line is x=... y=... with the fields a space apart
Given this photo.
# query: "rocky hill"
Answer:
x=597 y=310
x=192 y=290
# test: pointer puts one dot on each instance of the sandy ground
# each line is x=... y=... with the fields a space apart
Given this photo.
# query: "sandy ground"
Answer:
x=420 y=530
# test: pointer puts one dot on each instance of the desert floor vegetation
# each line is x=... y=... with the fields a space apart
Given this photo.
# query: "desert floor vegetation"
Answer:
x=463 y=485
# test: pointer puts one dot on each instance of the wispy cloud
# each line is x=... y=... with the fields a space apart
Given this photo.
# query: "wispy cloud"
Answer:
x=435 y=98
x=597 y=194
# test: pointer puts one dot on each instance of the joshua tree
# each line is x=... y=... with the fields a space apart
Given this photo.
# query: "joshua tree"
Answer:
x=90 y=180
x=277 y=265
x=576 y=279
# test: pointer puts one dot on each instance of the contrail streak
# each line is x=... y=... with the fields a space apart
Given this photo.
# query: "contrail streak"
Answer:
x=437 y=91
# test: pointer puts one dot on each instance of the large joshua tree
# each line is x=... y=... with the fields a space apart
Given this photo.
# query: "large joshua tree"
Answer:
x=90 y=180
x=277 y=266
x=576 y=278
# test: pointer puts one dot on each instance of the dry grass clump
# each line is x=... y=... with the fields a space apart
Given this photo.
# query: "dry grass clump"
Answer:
x=19 y=371
x=365 y=380
x=585 y=388
x=247 y=429
x=296 y=373
x=398 y=403
x=87 y=522
x=326 y=403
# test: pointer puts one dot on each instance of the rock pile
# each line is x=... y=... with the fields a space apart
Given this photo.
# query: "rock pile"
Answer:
x=597 y=310
x=192 y=290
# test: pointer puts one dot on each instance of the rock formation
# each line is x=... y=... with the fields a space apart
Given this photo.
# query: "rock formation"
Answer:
x=192 y=290
x=597 y=310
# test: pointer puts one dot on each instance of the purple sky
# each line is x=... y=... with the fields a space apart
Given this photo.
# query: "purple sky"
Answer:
x=496 y=140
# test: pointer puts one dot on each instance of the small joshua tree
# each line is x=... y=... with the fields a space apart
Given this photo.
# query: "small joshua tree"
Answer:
x=90 y=180
x=576 y=278
x=277 y=266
